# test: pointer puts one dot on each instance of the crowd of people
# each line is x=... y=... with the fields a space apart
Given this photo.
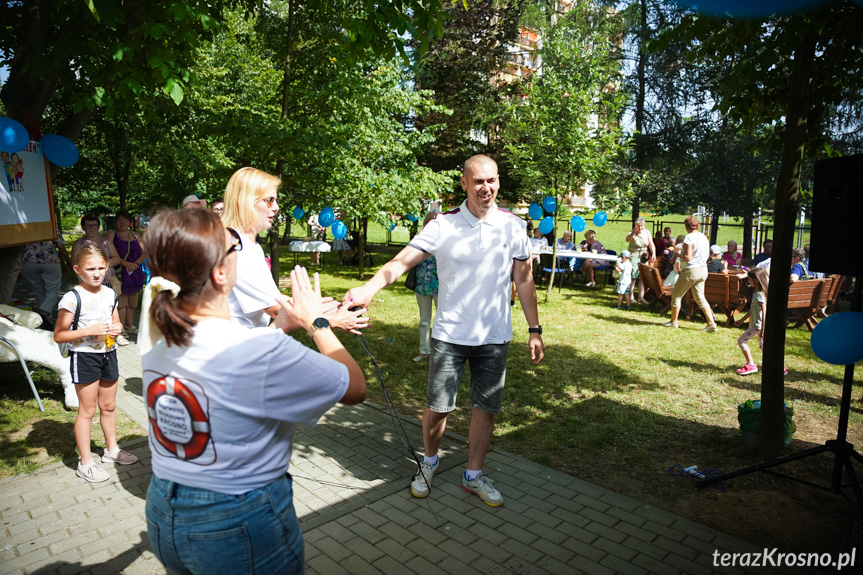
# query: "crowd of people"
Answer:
x=225 y=383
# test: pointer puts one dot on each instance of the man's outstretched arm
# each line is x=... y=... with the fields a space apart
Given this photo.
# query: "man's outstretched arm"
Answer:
x=390 y=272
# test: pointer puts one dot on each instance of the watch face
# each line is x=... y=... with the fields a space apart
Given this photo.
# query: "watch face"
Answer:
x=321 y=323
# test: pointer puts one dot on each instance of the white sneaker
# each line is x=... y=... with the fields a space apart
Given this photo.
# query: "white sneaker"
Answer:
x=590 y=284
x=421 y=483
x=482 y=486
x=92 y=472
x=670 y=324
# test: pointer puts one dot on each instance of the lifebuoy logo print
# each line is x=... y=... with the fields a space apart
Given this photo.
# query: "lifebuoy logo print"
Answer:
x=179 y=415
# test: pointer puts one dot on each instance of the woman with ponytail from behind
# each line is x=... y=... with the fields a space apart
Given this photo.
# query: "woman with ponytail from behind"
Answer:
x=224 y=401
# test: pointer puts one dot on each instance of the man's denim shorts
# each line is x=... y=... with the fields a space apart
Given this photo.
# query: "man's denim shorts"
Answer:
x=487 y=375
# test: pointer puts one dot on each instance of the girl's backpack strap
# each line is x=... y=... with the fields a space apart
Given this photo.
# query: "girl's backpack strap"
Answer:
x=77 y=309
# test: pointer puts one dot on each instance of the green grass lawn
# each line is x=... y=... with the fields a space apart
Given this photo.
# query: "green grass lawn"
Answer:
x=620 y=399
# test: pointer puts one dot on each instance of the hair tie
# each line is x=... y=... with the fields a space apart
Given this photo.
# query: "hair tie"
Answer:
x=159 y=284
x=149 y=333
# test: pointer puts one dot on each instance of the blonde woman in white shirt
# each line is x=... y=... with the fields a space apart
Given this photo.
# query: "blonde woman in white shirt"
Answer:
x=251 y=205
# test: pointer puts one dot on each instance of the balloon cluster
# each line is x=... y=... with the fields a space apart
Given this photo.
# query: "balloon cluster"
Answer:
x=59 y=150
x=546 y=224
x=326 y=218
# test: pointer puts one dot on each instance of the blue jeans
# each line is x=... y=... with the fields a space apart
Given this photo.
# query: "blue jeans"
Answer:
x=195 y=530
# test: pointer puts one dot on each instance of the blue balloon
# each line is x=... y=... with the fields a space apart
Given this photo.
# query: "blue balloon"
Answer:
x=412 y=217
x=578 y=224
x=298 y=212
x=392 y=225
x=549 y=204
x=61 y=151
x=535 y=211
x=326 y=217
x=599 y=219
x=340 y=230
x=747 y=8
x=546 y=225
x=13 y=136
x=836 y=339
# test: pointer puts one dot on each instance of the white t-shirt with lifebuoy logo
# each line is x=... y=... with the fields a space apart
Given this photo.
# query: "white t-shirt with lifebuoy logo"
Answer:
x=224 y=409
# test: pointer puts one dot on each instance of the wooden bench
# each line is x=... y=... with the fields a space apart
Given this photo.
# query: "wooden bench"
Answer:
x=806 y=298
x=656 y=292
x=722 y=292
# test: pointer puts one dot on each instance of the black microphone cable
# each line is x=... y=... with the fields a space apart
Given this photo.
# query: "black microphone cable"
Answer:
x=397 y=422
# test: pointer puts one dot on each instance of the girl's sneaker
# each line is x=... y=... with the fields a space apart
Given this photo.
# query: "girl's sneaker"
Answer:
x=618 y=307
x=122 y=457
x=92 y=472
x=747 y=369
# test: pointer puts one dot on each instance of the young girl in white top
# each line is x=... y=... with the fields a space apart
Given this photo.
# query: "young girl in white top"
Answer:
x=758 y=280
x=93 y=358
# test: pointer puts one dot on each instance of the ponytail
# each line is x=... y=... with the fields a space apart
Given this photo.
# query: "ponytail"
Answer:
x=183 y=248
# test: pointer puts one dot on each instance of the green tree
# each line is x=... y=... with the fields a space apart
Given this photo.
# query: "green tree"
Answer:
x=465 y=70
x=565 y=131
x=792 y=72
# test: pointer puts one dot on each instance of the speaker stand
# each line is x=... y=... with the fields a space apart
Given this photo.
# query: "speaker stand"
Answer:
x=843 y=452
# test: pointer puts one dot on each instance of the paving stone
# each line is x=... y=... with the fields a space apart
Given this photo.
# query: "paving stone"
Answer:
x=644 y=548
x=368 y=533
x=588 y=566
x=455 y=567
x=523 y=567
x=398 y=533
x=337 y=532
x=427 y=551
x=333 y=549
x=654 y=566
x=387 y=564
x=396 y=550
x=367 y=551
x=619 y=565
x=605 y=531
x=518 y=534
x=552 y=549
x=324 y=564
x=686 y=565
x=358 y=566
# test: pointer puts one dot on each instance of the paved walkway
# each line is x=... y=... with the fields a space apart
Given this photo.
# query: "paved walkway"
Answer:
x=351 y=477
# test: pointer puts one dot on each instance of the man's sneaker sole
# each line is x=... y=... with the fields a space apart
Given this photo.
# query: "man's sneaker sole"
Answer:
x=489 y=503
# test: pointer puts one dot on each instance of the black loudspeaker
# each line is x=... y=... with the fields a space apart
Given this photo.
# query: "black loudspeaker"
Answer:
x=837 y=217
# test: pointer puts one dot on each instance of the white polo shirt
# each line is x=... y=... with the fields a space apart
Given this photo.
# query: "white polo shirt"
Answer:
x=474 y=268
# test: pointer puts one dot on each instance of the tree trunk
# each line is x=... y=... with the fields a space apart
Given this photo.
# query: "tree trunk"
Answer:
x=273 y=235
x=771 y=435
x=639 y=108
x=361 y=248
x=714 y=228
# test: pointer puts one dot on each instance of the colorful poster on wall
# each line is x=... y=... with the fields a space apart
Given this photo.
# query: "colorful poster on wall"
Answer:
x=26 y=207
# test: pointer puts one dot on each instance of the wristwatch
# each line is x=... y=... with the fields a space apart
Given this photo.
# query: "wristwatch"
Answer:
x=537 y=329
x=319 y=324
